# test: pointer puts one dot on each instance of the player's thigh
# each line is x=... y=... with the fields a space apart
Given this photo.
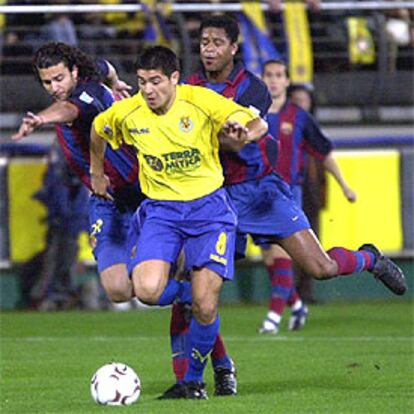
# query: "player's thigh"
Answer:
x=272 y=252
x=306 y=250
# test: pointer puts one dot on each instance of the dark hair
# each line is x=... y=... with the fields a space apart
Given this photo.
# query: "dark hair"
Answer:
x=222 y=21
x=158 y=57
x=305 y=87
x=277 y=62
x=53 y=53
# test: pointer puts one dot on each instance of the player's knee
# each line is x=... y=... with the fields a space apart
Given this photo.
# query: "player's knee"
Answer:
x=147 y=290
x=117 y=285
x=120 y=295
x=324 y=270
x=205 y=312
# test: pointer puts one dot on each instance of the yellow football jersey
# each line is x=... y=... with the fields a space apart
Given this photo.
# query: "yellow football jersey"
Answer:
x=177 y=151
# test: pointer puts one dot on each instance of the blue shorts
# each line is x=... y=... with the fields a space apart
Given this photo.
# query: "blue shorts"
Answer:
x=266 y=210
x=109 y=226
x=205 y=228
x=297 y=194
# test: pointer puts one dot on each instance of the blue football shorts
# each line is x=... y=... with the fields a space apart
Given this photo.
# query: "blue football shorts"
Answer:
x=109 y=227
x=205 y=228
x=266 y=210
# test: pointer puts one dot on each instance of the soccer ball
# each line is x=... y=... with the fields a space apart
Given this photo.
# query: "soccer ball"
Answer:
x=115 y=384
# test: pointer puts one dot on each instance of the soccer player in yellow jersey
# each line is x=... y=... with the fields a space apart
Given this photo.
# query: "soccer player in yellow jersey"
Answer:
x=176 y=130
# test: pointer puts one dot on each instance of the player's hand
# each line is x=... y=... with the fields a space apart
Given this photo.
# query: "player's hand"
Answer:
x=100 y=184
x=234 y=131
x=30 y=122
x=121 y=89
x=350 y=194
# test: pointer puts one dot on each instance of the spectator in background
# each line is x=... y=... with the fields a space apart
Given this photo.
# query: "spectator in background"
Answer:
x=314 y=189
x=18 y=33
x=59 y=28
x=67 y=204
x=276 y=5
x=299 y=136
x=399 y=27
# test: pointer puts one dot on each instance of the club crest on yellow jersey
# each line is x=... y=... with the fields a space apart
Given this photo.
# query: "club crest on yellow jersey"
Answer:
x=186 y=124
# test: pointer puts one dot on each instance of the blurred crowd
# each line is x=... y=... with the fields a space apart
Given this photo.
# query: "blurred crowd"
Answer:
x=118 y=34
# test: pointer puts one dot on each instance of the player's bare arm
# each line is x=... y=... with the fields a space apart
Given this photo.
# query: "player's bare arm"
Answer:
x=120 y=88
x=58 y=112
x=99 y=181
x=332 y=166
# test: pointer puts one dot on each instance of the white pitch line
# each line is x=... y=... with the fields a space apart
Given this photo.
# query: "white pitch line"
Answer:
x=229 y=339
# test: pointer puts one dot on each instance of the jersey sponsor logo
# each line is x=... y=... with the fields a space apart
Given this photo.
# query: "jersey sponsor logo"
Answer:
x=186 y=124
x=154 y=162
x=286 y=128
x=85 y=97
x=182 y=161
x=139 y=131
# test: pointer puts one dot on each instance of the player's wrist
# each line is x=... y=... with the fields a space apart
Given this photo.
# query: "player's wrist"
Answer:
x=97 y=174
x=41 y=120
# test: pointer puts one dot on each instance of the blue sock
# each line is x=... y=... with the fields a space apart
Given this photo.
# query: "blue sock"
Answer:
x=200 y=342
x=171 y=291
x=185 y=295
x=175 y=289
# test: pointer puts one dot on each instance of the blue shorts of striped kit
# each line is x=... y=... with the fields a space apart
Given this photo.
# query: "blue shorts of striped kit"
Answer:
x=109 y=227
x=205 y=228
x=266 y=210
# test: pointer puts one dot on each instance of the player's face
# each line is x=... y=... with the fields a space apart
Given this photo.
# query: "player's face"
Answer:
x=59 y=81
x=216 y=50
x=158 y=89
x=302 y=99
x=274 y=76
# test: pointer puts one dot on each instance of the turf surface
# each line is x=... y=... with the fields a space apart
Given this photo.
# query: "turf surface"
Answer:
x=350 y=358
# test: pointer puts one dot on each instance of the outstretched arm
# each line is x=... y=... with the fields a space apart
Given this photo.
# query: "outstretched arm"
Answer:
x=58 y=112
x=99 y=181
x=332 y=166
x=120 y=88
x=233 y=136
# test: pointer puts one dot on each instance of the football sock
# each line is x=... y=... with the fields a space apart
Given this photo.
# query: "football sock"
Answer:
x=350 y=261
x=294 y=300
x=219 y=357
x=178 y=336
x=281 y=279
x=201 y=339
x=175 y=289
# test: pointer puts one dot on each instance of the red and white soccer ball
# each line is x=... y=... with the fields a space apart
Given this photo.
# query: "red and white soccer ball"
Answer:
x=115 y=384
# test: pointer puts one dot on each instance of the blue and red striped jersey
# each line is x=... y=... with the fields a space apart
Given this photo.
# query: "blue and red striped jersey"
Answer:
x=256 y=159
x=91 y=97
x=299 y=135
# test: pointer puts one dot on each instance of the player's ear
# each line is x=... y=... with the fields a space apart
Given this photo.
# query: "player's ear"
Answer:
x=75 y=72
x=234 y=48
x=175 y=77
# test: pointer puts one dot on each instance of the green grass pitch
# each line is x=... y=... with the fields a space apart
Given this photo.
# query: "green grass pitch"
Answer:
x=350 y=358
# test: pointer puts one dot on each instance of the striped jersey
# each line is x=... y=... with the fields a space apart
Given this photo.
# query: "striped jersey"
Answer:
x=92 y=97
x=258 y=158
x=299 y=136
